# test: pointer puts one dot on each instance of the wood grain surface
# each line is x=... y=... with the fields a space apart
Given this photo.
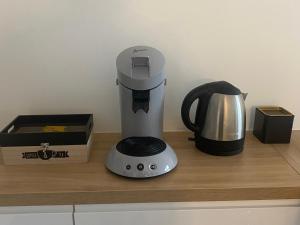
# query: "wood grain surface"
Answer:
x=261 y=171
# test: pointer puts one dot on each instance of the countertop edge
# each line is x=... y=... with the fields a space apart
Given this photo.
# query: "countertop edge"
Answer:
x=148 y=196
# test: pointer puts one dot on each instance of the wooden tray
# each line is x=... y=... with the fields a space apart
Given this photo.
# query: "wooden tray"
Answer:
x=44 y=139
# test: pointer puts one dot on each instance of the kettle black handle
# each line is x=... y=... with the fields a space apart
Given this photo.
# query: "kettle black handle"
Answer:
x=196 y=93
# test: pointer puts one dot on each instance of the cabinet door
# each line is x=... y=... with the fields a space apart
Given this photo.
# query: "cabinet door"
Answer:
x=183 y=214
x=37 y=215
x=174 y=217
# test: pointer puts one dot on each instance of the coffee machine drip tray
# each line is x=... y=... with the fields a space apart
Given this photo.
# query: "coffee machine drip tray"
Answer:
x=141 y=146
x=141 y=157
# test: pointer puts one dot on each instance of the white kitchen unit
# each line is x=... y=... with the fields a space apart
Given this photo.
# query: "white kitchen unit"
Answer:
x=36 y=215
x=277 y=212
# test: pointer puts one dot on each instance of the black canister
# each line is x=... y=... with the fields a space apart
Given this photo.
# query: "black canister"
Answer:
x=273 y=124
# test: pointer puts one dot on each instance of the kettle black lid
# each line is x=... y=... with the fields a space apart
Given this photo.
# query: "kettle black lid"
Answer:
x=221 y=87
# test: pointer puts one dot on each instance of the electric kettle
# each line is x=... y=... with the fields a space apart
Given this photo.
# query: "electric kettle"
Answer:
x=219 y=125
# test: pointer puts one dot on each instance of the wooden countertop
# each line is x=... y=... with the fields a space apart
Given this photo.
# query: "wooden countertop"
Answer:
x=260 y=172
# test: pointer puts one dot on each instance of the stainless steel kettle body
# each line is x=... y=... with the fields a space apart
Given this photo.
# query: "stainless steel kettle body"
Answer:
x=225 y=118
x=220 y=118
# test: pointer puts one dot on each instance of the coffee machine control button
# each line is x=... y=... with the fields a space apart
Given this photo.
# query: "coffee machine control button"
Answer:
x=140 y=166
x=128 y=167
x=153 y=166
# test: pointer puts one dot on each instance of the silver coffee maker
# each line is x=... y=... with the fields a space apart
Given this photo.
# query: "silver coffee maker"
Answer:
x=141 y=79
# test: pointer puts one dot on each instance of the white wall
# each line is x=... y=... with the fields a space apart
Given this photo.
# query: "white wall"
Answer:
x=58 y=56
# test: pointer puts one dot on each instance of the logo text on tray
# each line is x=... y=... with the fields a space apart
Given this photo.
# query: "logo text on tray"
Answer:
x=45 y=153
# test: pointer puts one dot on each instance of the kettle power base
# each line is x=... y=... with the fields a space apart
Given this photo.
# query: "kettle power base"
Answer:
x=139 y=162
x=220 y=148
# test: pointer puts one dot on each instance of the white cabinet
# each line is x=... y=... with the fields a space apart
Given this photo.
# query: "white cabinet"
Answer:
x=36 y=215
x=285 y=212
x=281 y=212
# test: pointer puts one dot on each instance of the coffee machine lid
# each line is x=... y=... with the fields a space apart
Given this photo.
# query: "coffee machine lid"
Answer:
x=141 y=68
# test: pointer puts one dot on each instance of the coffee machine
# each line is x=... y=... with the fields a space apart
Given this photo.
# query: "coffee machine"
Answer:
x=141 y=79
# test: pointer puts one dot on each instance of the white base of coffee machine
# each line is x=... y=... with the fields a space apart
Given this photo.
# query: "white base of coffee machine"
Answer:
x=141 y=166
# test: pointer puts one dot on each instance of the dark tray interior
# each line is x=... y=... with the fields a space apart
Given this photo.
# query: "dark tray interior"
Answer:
x=32 y=130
